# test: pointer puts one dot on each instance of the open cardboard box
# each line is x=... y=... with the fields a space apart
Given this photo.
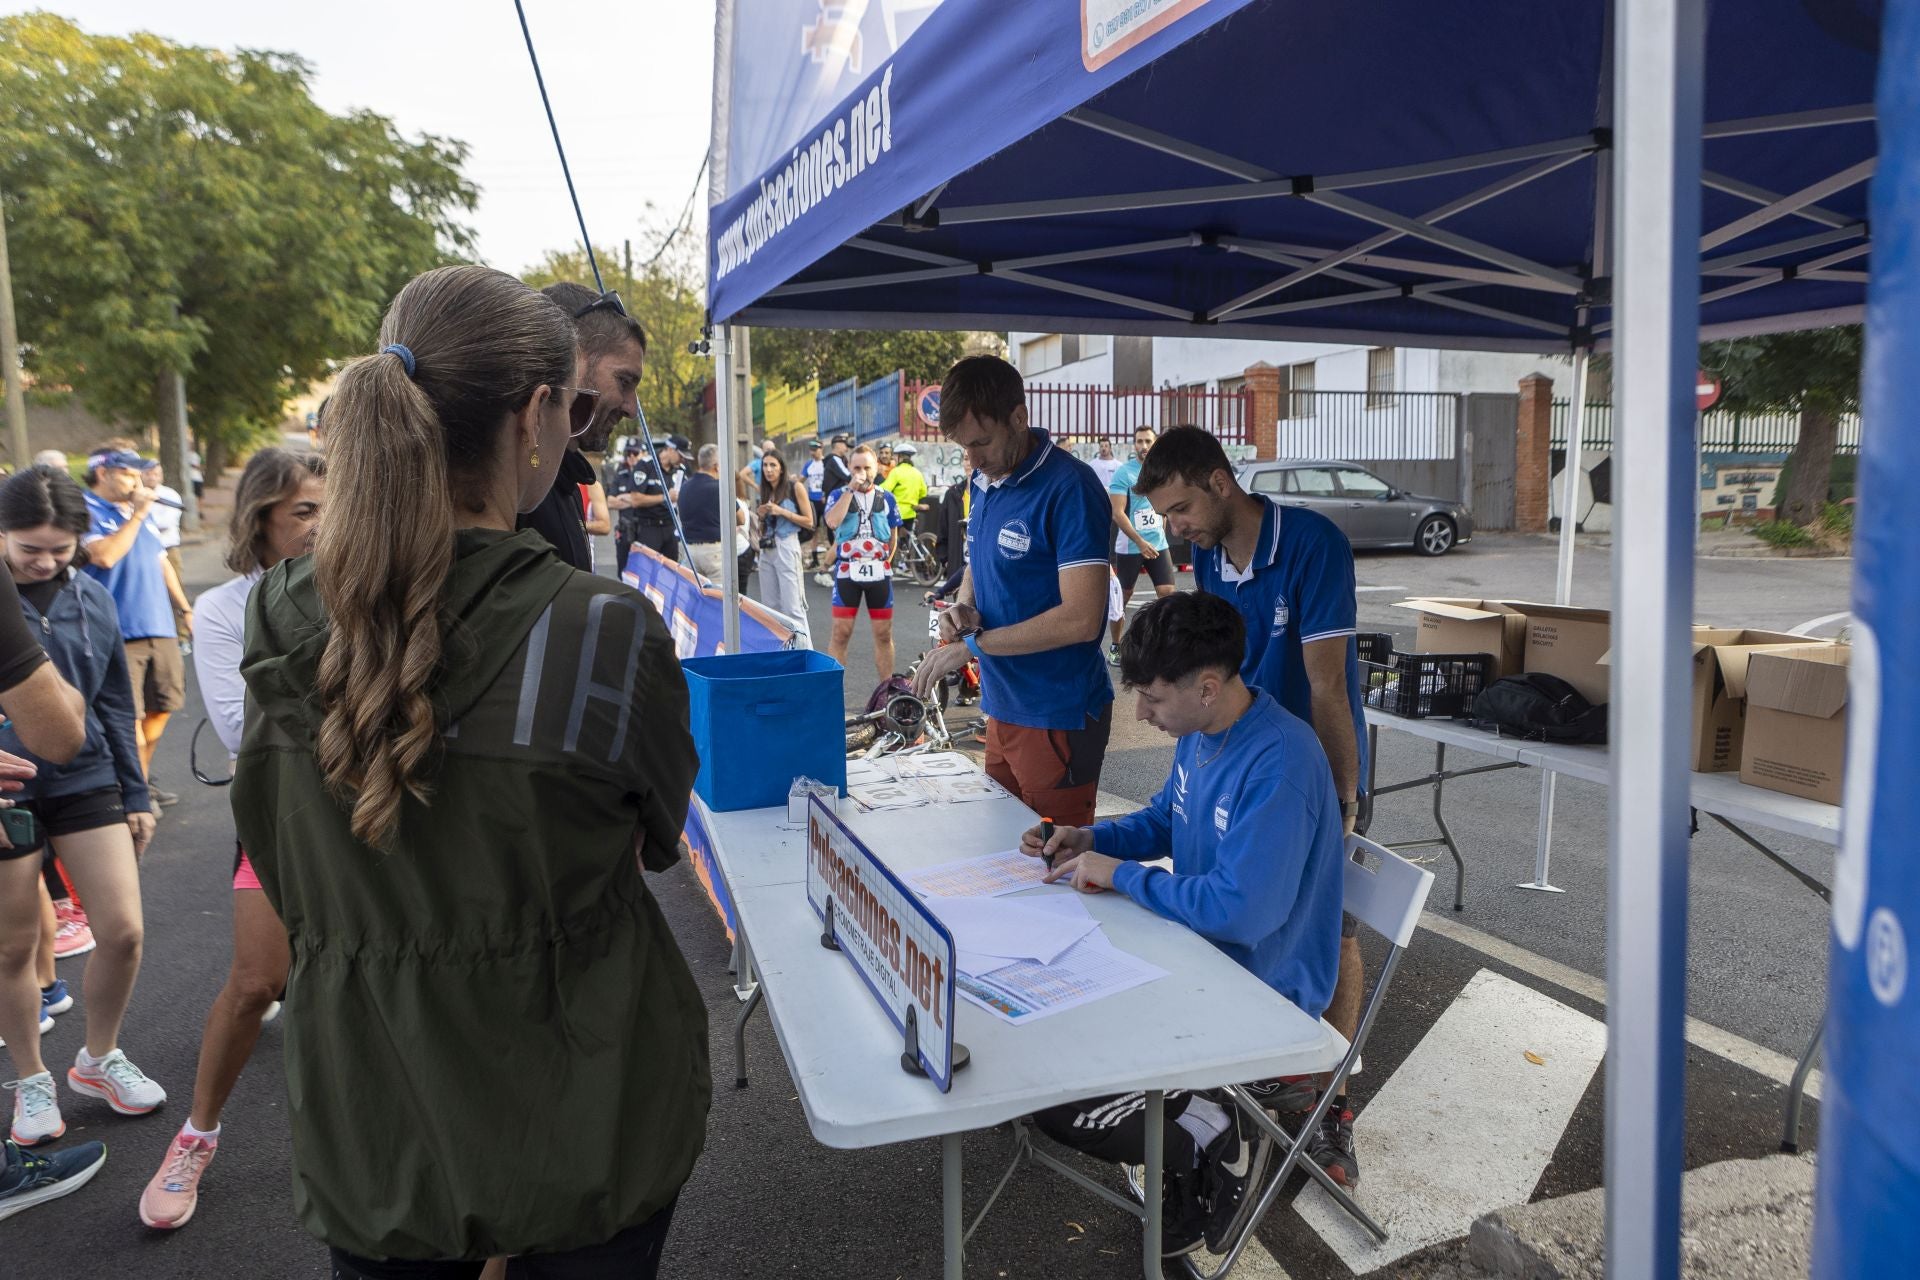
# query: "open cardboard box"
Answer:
x=1720 y=657
x=1457 y=625
x=1569 y=643
x=1796 y=735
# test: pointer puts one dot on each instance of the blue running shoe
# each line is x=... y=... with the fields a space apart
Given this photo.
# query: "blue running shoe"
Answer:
x=27 y=1179
x=56 y=998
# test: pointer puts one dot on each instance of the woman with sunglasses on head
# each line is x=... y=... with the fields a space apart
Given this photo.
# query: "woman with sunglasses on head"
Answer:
x=786 y=519
x=93 y=810
x=276 y=513
x=460 y=756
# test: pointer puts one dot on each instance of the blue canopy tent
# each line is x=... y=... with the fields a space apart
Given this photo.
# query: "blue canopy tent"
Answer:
x=1398 y=172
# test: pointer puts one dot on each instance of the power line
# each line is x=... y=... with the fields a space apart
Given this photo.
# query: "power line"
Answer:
x=565 y=172
x=681 y=223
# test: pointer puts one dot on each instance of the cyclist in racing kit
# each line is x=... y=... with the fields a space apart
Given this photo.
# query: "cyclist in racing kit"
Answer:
x=865 y=525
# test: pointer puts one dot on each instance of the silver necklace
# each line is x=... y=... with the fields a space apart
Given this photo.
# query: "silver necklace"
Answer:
x=1225 y=738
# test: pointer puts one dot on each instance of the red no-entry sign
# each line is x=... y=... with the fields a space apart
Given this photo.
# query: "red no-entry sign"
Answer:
x=1706 y=390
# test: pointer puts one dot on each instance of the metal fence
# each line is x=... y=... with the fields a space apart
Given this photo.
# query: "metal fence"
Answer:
x=877 y=407
x=839 y=407
x=1087 y=413
x=1721 y=430
x=1370 y=425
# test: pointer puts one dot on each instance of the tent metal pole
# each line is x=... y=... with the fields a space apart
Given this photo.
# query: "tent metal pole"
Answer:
x=1788 y=205
x=1659 y=71
x=729 y=538
x=1861 y=113
x=1853 y=231
x=1760 y=195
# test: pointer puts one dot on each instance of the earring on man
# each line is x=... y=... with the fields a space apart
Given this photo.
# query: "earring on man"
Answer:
x=535 y=460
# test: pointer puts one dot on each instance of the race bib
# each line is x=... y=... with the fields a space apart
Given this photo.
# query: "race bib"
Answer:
x=1146 y=520
x=867 y=570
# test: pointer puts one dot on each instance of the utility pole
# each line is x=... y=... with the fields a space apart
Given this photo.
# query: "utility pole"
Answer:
x=10 y=356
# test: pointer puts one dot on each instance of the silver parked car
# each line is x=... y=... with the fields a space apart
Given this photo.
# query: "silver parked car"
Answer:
x=1371 y=512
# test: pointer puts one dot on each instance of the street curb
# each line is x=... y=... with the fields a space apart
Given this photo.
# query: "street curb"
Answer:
x=1751 y=1219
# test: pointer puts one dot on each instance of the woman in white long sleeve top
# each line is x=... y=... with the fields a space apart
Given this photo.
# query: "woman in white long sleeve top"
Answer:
x=276 y=514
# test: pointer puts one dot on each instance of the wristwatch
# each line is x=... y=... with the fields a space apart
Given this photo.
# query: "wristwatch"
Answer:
x=971 y=638
x=1349 y=808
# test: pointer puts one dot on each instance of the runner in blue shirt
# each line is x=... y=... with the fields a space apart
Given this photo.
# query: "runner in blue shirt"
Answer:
x=1289 y=573
x=1141 y=543
x=1033 y=602
x=1249 y=817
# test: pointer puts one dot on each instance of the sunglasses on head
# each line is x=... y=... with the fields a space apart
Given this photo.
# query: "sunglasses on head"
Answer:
x=580 y=412
x=608 y=301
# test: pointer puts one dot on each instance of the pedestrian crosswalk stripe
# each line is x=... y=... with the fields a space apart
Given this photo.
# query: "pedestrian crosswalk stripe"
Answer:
x=1466 y=1124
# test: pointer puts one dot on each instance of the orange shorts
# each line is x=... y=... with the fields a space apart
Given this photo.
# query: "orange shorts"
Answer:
x=1055 y=772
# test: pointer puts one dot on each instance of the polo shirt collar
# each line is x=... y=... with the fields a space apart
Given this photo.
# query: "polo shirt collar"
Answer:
x=1042 y=446
x=1266 y=548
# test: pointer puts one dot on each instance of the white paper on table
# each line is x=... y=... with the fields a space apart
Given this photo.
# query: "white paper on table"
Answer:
x=1008 y=929
x=959 y=790
x=1090 y=970
x=867 y=773
x=988 y=876
x=888 y=795
x=941 y=764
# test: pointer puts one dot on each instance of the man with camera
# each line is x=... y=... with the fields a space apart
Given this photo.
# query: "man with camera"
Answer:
x=864 y=522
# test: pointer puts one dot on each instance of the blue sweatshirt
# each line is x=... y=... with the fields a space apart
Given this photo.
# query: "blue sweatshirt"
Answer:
x=81 y=634
x=1253 y=825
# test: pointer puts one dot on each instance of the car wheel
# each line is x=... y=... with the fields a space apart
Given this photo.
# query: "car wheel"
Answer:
x=1434 y=537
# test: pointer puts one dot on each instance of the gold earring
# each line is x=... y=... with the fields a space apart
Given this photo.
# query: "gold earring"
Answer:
x=536 y=457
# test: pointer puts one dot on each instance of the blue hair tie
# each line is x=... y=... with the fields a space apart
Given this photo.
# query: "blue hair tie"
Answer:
x=406 y=356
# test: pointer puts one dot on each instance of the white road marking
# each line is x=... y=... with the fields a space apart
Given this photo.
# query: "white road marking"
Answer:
x=1364 y=588
x=1466 y=1124
x=1756 y=1058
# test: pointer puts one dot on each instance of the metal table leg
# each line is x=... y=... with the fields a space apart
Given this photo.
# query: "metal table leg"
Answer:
x=746 y=980
x=1437 y=782
x=952 y=1232
x=740 y=1038
x=1156 y=1159
x=1797 y=1092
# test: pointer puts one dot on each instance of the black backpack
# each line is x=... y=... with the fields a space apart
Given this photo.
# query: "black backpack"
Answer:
x=1542 y=707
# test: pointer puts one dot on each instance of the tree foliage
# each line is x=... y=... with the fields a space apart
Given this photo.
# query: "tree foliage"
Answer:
x=663 y=293
x=793 y=356
x=1815 y=369
x=183 y=209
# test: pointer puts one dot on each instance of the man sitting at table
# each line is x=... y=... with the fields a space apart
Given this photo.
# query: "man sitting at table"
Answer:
x=1250 y=818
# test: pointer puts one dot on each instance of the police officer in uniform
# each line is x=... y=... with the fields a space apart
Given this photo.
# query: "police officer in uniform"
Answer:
x=639 y=493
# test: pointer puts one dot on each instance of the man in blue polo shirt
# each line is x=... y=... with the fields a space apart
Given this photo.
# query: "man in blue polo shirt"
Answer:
x=1033 y=601
x=125 y=554
x=1289 y=572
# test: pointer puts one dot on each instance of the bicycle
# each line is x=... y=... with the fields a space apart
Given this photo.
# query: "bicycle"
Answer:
x=916 y=557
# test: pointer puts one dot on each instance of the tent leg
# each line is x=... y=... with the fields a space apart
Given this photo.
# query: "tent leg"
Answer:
x=1543 y=841
x=729 y=533
x=1658 y=67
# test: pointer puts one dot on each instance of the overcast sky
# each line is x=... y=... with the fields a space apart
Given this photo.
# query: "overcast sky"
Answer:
x=630 y=85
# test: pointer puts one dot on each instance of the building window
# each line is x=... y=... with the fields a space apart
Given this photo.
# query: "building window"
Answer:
x=1296 y=390
x=1379 y=377
x=1094 y=345
x=1183 y=406
x=1037 y=355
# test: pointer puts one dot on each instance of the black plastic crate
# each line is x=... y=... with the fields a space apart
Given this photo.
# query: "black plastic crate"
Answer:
x=1375 y=646
x=1425 y=686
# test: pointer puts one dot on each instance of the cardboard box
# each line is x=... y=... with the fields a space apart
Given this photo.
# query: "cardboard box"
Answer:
x=1569 y=643
x=1453 y=625
x=1796 y=734
x=1720 y=660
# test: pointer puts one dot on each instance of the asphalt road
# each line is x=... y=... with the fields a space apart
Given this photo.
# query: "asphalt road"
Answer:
x=766 y=1200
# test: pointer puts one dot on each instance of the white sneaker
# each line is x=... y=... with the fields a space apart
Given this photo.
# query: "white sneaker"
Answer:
x=46 y=1024
x=124 y=1086
x=273 y=1011
x=36 y=1110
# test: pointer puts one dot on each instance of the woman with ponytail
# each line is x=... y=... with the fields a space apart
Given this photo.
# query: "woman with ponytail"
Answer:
x=458 y=747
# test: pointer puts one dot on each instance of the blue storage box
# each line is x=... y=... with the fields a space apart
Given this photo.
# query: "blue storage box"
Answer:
x=760 y=720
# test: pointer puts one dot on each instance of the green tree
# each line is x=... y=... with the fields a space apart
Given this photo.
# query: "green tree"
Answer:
x=662 y=292
x=1814 y=373
x=177 y=209
x=793 y=356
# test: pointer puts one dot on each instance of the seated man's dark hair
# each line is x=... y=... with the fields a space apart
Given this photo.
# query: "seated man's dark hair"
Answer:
x=598 y=329
x=984 y=386
x=1180 y=634
x=1183 y=453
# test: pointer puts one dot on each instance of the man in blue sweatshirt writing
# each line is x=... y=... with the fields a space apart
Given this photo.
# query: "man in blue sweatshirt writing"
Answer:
x=1252 y=822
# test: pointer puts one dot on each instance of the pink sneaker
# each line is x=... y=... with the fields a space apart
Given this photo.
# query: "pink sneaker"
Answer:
x=73 y=937
x=170 y=1198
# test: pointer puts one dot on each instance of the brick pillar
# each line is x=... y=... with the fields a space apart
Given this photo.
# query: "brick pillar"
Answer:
x=1532 y=458
x=1263 y=387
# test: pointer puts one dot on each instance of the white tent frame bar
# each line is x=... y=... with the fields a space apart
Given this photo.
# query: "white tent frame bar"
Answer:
x=1760 y=195
x=1567 y=282
x=1781 y=275
x=1787 y=205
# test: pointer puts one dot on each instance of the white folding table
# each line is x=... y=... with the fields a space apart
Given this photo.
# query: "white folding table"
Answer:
x=1208 y=1023
x=1721 y=796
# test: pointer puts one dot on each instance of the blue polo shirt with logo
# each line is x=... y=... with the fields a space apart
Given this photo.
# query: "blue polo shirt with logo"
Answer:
x=1050 y=514
x=136 y=582
x=1298 y=589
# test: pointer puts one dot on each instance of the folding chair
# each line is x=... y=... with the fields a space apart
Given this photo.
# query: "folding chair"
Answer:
x=1386 y=893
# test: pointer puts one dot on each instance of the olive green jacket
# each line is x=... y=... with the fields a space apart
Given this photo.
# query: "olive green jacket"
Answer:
x=493 y=1044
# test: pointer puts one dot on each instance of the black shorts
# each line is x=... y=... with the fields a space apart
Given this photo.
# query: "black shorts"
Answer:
x=1127 y=568
x=70 y=815
x=849 y=595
